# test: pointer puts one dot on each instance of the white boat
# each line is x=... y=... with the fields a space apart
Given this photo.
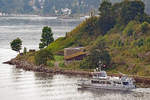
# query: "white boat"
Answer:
x=100 y=80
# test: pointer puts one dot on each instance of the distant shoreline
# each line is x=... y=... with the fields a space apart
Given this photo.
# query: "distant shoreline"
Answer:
x=55 y=17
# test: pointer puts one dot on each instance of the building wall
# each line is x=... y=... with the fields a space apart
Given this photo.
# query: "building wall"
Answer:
x=75 y=59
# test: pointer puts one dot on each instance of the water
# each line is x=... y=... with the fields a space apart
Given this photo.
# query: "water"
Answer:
x=17 y=84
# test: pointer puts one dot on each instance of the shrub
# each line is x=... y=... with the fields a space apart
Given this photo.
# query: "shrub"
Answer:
x=25 y=50
x=50 y=63
x=62 y=64
x=130 y=32
x=120 y=43
x=140 y=42
x=42 y=56
x=129 y=29
x=84 y=64
x=144 y=27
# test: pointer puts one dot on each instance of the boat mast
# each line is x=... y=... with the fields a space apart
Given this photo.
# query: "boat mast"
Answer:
x=100 y=64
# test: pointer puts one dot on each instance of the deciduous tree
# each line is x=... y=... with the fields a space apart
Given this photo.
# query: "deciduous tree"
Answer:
x=16 y=44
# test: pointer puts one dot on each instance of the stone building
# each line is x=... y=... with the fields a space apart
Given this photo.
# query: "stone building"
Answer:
x=74 y=54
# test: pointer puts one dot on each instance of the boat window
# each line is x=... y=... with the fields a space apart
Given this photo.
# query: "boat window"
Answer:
x=125 y=83
x=94 y=81
x=117 y=82
x=102 y=75
x=102 y=82
x=95 y=75
x=108 y=82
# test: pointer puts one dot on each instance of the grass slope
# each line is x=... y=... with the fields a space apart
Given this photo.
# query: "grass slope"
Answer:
x=82 y=35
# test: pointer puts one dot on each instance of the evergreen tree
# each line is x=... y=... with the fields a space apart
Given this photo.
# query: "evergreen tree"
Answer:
x=47 y=37
x=107 y=19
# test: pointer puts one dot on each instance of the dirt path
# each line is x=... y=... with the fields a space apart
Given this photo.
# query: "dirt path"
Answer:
x=56 y=64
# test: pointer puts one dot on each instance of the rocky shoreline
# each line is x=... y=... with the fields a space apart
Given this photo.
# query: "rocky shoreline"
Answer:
x=31 y=67
x=140 y=81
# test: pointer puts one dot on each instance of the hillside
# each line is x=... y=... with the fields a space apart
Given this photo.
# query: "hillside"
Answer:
x=126 y=38
x=119 y=38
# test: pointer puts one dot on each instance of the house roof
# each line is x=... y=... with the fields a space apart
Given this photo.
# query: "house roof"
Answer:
x=75 y=55
x=74 y=48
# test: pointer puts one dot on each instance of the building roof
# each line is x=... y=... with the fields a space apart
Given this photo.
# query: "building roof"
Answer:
x=75 y=48
x=75 y=55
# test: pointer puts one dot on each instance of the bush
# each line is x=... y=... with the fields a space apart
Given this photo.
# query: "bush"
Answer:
x=25 y=50
x=140 y=42
x=50 y=63
x=62 y=64
x=84 y=64
x=144 y=27
x=42 y=56
x=130 y=32
x=129 y=29
x=120 y=43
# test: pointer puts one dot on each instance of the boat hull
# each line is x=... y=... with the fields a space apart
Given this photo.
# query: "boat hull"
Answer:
x=90 y=86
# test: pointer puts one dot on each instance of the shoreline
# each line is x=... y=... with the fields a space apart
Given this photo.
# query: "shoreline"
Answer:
x=140 y=81
x=31 y=67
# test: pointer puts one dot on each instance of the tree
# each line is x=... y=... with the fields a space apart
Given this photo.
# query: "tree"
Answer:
x=43 y=56
x=107 y=19
x=47 y=37
x=105 y=8
x=132 y=10
x=99 y=53
x=16 y=44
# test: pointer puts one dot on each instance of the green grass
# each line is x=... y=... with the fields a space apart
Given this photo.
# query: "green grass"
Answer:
x=59 y=58
x=50 y=63
x=82 y=35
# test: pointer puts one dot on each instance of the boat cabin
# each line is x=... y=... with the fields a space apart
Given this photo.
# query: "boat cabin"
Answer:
x=100 y=75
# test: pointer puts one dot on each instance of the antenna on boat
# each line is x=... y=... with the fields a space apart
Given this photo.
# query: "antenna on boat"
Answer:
x=100 y=65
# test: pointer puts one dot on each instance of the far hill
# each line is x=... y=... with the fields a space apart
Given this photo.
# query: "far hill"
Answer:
x=55 y=7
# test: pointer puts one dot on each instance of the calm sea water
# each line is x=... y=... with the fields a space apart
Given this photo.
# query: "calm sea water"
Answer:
x=17 y=84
